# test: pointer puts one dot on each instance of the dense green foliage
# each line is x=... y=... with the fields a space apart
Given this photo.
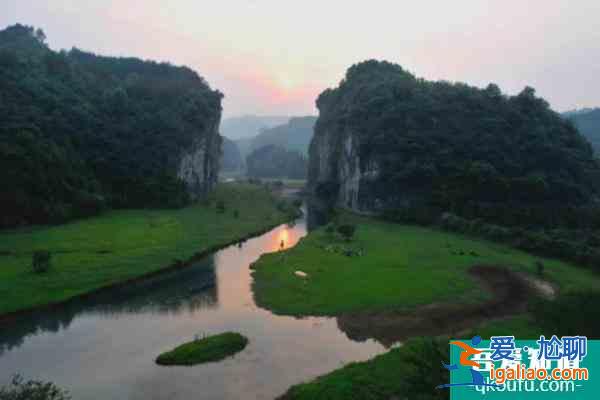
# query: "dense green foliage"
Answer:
x=390 y=266
x=231 y=158
x=294 y=135
x=41 y=261
x=125 y=244
x=411 y=371
x=273 y=161
x=452 y=147
x=19 y=389
x=208 y=349
x=588 y=123
x=80 y=132
x=580 y=246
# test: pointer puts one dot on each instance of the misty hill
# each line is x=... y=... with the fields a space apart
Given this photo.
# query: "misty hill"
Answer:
x=231 y=158
x=273 y=161
x=588 y=122
x=81 y=132
x=248 y=126
x=294 y=135
x=388 y=142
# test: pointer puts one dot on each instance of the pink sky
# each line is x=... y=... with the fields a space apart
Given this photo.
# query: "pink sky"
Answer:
x=275 y=57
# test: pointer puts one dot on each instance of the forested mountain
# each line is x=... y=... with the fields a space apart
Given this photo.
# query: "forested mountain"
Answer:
x=273 y=161
x=588 y=122
x=80 y=132
x=387 y=141
x=231 y=158
x=248 y=126
x=294 y=135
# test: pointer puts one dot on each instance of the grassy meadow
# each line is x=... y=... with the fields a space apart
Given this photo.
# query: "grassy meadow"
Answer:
x=401 y=266
x=120 y=245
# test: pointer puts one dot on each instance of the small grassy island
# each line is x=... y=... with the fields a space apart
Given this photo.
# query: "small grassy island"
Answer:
x=208 y=349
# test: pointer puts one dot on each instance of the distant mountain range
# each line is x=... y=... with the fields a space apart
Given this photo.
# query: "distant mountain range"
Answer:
x=587 y=121
x=249 y=125
x=294 y=134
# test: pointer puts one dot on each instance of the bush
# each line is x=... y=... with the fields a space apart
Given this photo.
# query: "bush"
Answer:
x=220 y=207
x=236 y=214
x=31 y=390
x=347 y=231
x=41 y=261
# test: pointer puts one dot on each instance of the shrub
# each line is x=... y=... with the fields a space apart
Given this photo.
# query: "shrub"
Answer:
x=18 y=389
x=41 y=261
x=220 y=206
x=236 y=214
x=347 y=231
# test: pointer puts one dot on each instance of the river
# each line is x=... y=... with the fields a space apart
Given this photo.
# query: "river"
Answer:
x=105 y=348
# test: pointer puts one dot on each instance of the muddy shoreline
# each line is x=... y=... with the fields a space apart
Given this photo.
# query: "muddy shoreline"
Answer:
x=510 y=292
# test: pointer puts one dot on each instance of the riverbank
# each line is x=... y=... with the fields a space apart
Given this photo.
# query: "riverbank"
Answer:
x=398 y=283
x=391 y=267
x=123 y=246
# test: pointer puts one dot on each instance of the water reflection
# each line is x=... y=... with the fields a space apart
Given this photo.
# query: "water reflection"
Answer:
x=105 y=347
x=171 y=293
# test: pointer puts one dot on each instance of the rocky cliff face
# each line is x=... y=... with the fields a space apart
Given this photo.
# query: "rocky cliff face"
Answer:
x=338 y=175
x=386 y=141
x=199 y=165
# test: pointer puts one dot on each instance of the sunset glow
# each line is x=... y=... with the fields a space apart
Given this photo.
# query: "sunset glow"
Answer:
x=271 y=57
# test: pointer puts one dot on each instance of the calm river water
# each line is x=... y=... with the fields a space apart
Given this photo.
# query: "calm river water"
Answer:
x=105 y=348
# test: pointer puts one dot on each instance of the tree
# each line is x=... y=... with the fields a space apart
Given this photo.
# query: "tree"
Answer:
x=273 y=161
x=449 y=147
x=19 y=389
x=80 y=132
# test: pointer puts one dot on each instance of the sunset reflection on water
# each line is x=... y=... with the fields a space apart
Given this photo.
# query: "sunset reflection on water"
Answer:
x=105 y=342
x=284 y=238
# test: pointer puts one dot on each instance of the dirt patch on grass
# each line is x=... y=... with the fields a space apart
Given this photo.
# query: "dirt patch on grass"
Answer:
x=510 y=292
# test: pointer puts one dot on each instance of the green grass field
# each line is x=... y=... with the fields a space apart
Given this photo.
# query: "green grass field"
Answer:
x=408 y=372
x=119 y=245
x=402 y=267
x=209 y=349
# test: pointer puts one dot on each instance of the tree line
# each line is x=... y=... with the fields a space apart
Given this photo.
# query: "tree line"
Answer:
x=82 y=132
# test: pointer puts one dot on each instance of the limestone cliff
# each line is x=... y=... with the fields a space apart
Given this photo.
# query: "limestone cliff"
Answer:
x=386 y=141
x=199 y=164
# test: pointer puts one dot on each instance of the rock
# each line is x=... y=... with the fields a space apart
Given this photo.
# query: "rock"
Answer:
x=199 y=165
x=301 y=274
